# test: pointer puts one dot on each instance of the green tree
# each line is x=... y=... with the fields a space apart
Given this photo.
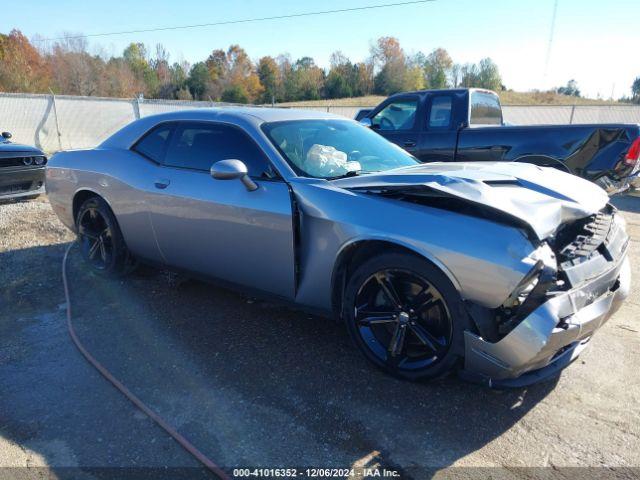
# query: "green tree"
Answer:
x=489 y=75
x=389 y=61
x=198 y=80
x=342 y=79
x=136 y=56
x=268 y=74
x=303 y=80
x=635 y=90
x=364 y=79
x=235 y=94
x=571 y=89
x=437 y=68
x=414 y=78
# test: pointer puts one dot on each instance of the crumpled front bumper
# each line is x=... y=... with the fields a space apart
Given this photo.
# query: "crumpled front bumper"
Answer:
x=551 y=336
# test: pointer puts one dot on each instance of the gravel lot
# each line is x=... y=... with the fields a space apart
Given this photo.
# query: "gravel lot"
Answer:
x=256 y=384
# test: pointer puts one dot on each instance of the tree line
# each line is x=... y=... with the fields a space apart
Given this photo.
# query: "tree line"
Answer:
x=67 y=67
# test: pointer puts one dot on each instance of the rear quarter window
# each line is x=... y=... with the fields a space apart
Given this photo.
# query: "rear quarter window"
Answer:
x=485 y=109
x=154 y=143
x=440 y=113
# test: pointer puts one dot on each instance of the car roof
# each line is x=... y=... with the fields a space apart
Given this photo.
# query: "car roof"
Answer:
x=248 y=117
x=444 y=90
x=263 y=114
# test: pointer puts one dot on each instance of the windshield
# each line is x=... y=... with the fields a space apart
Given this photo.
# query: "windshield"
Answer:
x=334 y=148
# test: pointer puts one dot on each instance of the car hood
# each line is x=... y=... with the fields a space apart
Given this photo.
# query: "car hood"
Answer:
x=10 y=149
x=544 y=198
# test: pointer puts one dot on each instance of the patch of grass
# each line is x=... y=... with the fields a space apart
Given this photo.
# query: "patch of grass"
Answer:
x=368 y=101
x=548 y=98
x=506 y=97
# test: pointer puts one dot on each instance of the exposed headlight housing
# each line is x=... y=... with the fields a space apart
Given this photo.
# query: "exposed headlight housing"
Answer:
x=526 y=285
x=40 y=160
x=531 y=291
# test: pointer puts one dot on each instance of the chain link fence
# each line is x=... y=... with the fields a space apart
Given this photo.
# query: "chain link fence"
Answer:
x=62 y=122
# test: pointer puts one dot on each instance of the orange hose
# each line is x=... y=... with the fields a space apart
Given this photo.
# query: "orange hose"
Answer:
x=188 y=446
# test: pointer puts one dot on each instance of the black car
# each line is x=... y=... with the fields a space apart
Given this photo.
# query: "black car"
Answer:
x=467 y=125
x=21 y=170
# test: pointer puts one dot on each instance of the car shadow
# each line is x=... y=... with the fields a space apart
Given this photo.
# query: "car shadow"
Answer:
x=248 y=382
x=627 y=203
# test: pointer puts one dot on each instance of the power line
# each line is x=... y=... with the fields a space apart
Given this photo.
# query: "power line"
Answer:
x=245 y=20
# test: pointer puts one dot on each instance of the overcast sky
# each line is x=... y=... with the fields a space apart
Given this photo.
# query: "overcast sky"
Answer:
x=595 y=42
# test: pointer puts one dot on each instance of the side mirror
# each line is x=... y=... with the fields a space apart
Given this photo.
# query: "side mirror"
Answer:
x=366 y=122
x=233 y=170
x=6 y=135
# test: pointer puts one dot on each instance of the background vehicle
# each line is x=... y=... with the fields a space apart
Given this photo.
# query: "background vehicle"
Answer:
x=467 y=125
x=428 y=265
x=21 y=170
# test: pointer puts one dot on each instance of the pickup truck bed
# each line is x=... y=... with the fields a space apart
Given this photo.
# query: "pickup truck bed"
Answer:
x=466 y=125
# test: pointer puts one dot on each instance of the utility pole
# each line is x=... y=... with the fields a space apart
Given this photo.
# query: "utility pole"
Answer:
x=550 y=45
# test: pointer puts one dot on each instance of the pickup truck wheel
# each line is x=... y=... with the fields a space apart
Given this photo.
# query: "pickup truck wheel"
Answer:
x=100 y=239
x=406 y=317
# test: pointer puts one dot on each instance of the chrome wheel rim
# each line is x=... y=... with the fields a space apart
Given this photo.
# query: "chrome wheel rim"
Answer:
x=403 y=319
x=96 y=239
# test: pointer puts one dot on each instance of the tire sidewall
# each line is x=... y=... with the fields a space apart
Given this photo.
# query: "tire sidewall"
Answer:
x=451 y=297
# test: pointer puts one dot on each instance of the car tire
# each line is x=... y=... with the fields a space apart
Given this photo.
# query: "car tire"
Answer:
x=101 y=242
x=433 y=336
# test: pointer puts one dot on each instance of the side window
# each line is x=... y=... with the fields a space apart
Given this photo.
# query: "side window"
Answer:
x=154 y=143
x=440 y=114
x=485 y=109
x=400 y=115
x=198 y=145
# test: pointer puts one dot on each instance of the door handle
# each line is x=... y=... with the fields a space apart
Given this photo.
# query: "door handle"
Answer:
x=409 y=143
x=162 y=183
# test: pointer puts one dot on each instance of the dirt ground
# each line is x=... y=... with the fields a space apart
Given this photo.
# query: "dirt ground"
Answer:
x=257 y=385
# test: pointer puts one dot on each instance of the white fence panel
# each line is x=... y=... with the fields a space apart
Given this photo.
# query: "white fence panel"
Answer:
x=153 y=107
x=67 y=122
x=537 y=115
x=607 y=114
x=85 y=122
x=30 y=120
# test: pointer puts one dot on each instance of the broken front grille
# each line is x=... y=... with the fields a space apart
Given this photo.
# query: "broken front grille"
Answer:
x=590 y=247
x=589 y=234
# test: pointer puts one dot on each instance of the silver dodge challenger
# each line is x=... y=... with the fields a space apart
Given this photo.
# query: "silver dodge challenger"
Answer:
x=499 y=271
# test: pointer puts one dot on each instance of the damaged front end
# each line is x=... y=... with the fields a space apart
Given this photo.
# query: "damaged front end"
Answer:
x=580 y=277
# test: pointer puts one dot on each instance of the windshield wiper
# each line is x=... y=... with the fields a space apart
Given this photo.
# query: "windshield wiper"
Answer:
x=350 y=173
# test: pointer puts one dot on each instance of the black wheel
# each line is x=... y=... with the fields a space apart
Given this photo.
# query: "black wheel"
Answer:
x=406 y=317
x=100 y=239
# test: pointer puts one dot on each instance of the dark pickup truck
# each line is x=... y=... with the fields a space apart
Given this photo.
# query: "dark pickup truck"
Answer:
x=467 y=125
x=21 y=170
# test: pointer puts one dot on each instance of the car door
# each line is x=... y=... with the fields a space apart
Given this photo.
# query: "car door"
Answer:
x=398 y=121
x=218 y=228
x=132 y=202
x=437 y=141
